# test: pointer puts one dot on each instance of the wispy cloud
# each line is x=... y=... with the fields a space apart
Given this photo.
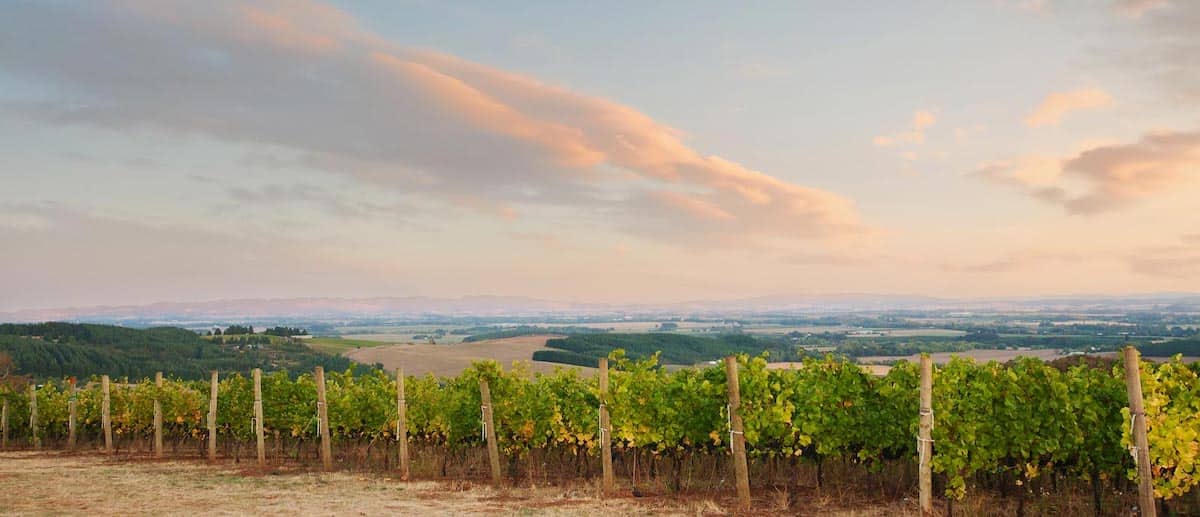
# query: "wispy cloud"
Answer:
x=1170 y=46
x=1058 y=104
x=1136 y=8
x=1012 y=262
x=305 y=77
x=921 y=120
x=329 y=202
x=1106 y=177
x=1181 y=263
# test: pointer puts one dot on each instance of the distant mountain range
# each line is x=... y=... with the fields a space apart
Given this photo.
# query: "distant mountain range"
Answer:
x=518 y=306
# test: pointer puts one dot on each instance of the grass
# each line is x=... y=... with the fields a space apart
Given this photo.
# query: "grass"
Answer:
x=339 y=346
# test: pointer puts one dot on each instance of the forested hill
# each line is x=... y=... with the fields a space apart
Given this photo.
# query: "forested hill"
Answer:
x=46 y=350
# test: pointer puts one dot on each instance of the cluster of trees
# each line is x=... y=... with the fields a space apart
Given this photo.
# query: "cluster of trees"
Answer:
x=234 y=330
x=1188 y=347
x=285 y=331
x=251 y=339
x=587 y=349
x=67 y=349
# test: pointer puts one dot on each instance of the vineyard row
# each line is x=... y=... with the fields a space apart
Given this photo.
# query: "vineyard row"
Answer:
x=1008 y=423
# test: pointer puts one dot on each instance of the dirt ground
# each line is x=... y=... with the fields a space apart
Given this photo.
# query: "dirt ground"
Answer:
x=450 y=360
x=53 y=483
x=50 y=483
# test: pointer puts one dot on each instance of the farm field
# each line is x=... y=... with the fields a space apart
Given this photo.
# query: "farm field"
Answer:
x=450 y=360
x=404 y=337
x=924 y=332
x=338 y=345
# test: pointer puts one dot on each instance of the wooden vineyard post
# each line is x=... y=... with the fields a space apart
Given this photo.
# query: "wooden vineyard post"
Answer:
x=402 y=424
x=4 y=425
x=106 y=415
x=924 y=442
x=72 y=413
x=33 y=420
x=737 y=440
x=212 y=418
x=489 y=430
x=605 y=430
x=158 y=416
x=258 y=418
x=323 y=421
x=1137 y=413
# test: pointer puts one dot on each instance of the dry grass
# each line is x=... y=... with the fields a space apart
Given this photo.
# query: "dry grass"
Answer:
x=450 y=360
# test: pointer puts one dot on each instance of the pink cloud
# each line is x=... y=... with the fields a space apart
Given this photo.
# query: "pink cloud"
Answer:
x=921 y=120
x=1057 y=105
x=304 y=76
x=1136 y=8
x=1105 y=177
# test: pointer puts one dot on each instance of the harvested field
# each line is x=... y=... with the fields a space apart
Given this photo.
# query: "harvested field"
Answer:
x=450 y=360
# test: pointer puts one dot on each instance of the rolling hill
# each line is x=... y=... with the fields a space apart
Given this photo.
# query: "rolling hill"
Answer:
x=46 y=350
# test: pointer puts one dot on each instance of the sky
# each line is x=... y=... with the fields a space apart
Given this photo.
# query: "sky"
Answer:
x=610 y=152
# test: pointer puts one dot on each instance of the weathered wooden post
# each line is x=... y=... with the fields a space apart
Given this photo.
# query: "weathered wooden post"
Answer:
x=106 y=415
x=1137 y=413
x=72 y=413
x=33 y=417
x=606 y=466
x=924 y=442
x=323 y=421
x=489 y=430
x=737 y=440
x=158 y=415
x=212 y=417
x=402 y=425
x=258 y=418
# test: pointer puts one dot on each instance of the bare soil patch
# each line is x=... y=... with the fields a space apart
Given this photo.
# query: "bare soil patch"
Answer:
x=52 y=483
x=450 y=360
x=45 y=483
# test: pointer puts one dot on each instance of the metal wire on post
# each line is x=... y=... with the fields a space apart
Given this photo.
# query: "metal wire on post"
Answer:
x=1133 y=448
x=600 y=420
x=922 y=441
x=318 y=419
x=483 y=423
x=729 y=424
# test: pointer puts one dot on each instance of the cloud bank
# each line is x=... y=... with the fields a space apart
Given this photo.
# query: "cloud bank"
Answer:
x=304 y=77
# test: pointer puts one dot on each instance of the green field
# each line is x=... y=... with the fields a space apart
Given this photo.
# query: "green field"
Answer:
x=338 y=345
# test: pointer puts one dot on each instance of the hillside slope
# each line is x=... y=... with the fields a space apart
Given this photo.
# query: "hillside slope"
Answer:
x=55 y=349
